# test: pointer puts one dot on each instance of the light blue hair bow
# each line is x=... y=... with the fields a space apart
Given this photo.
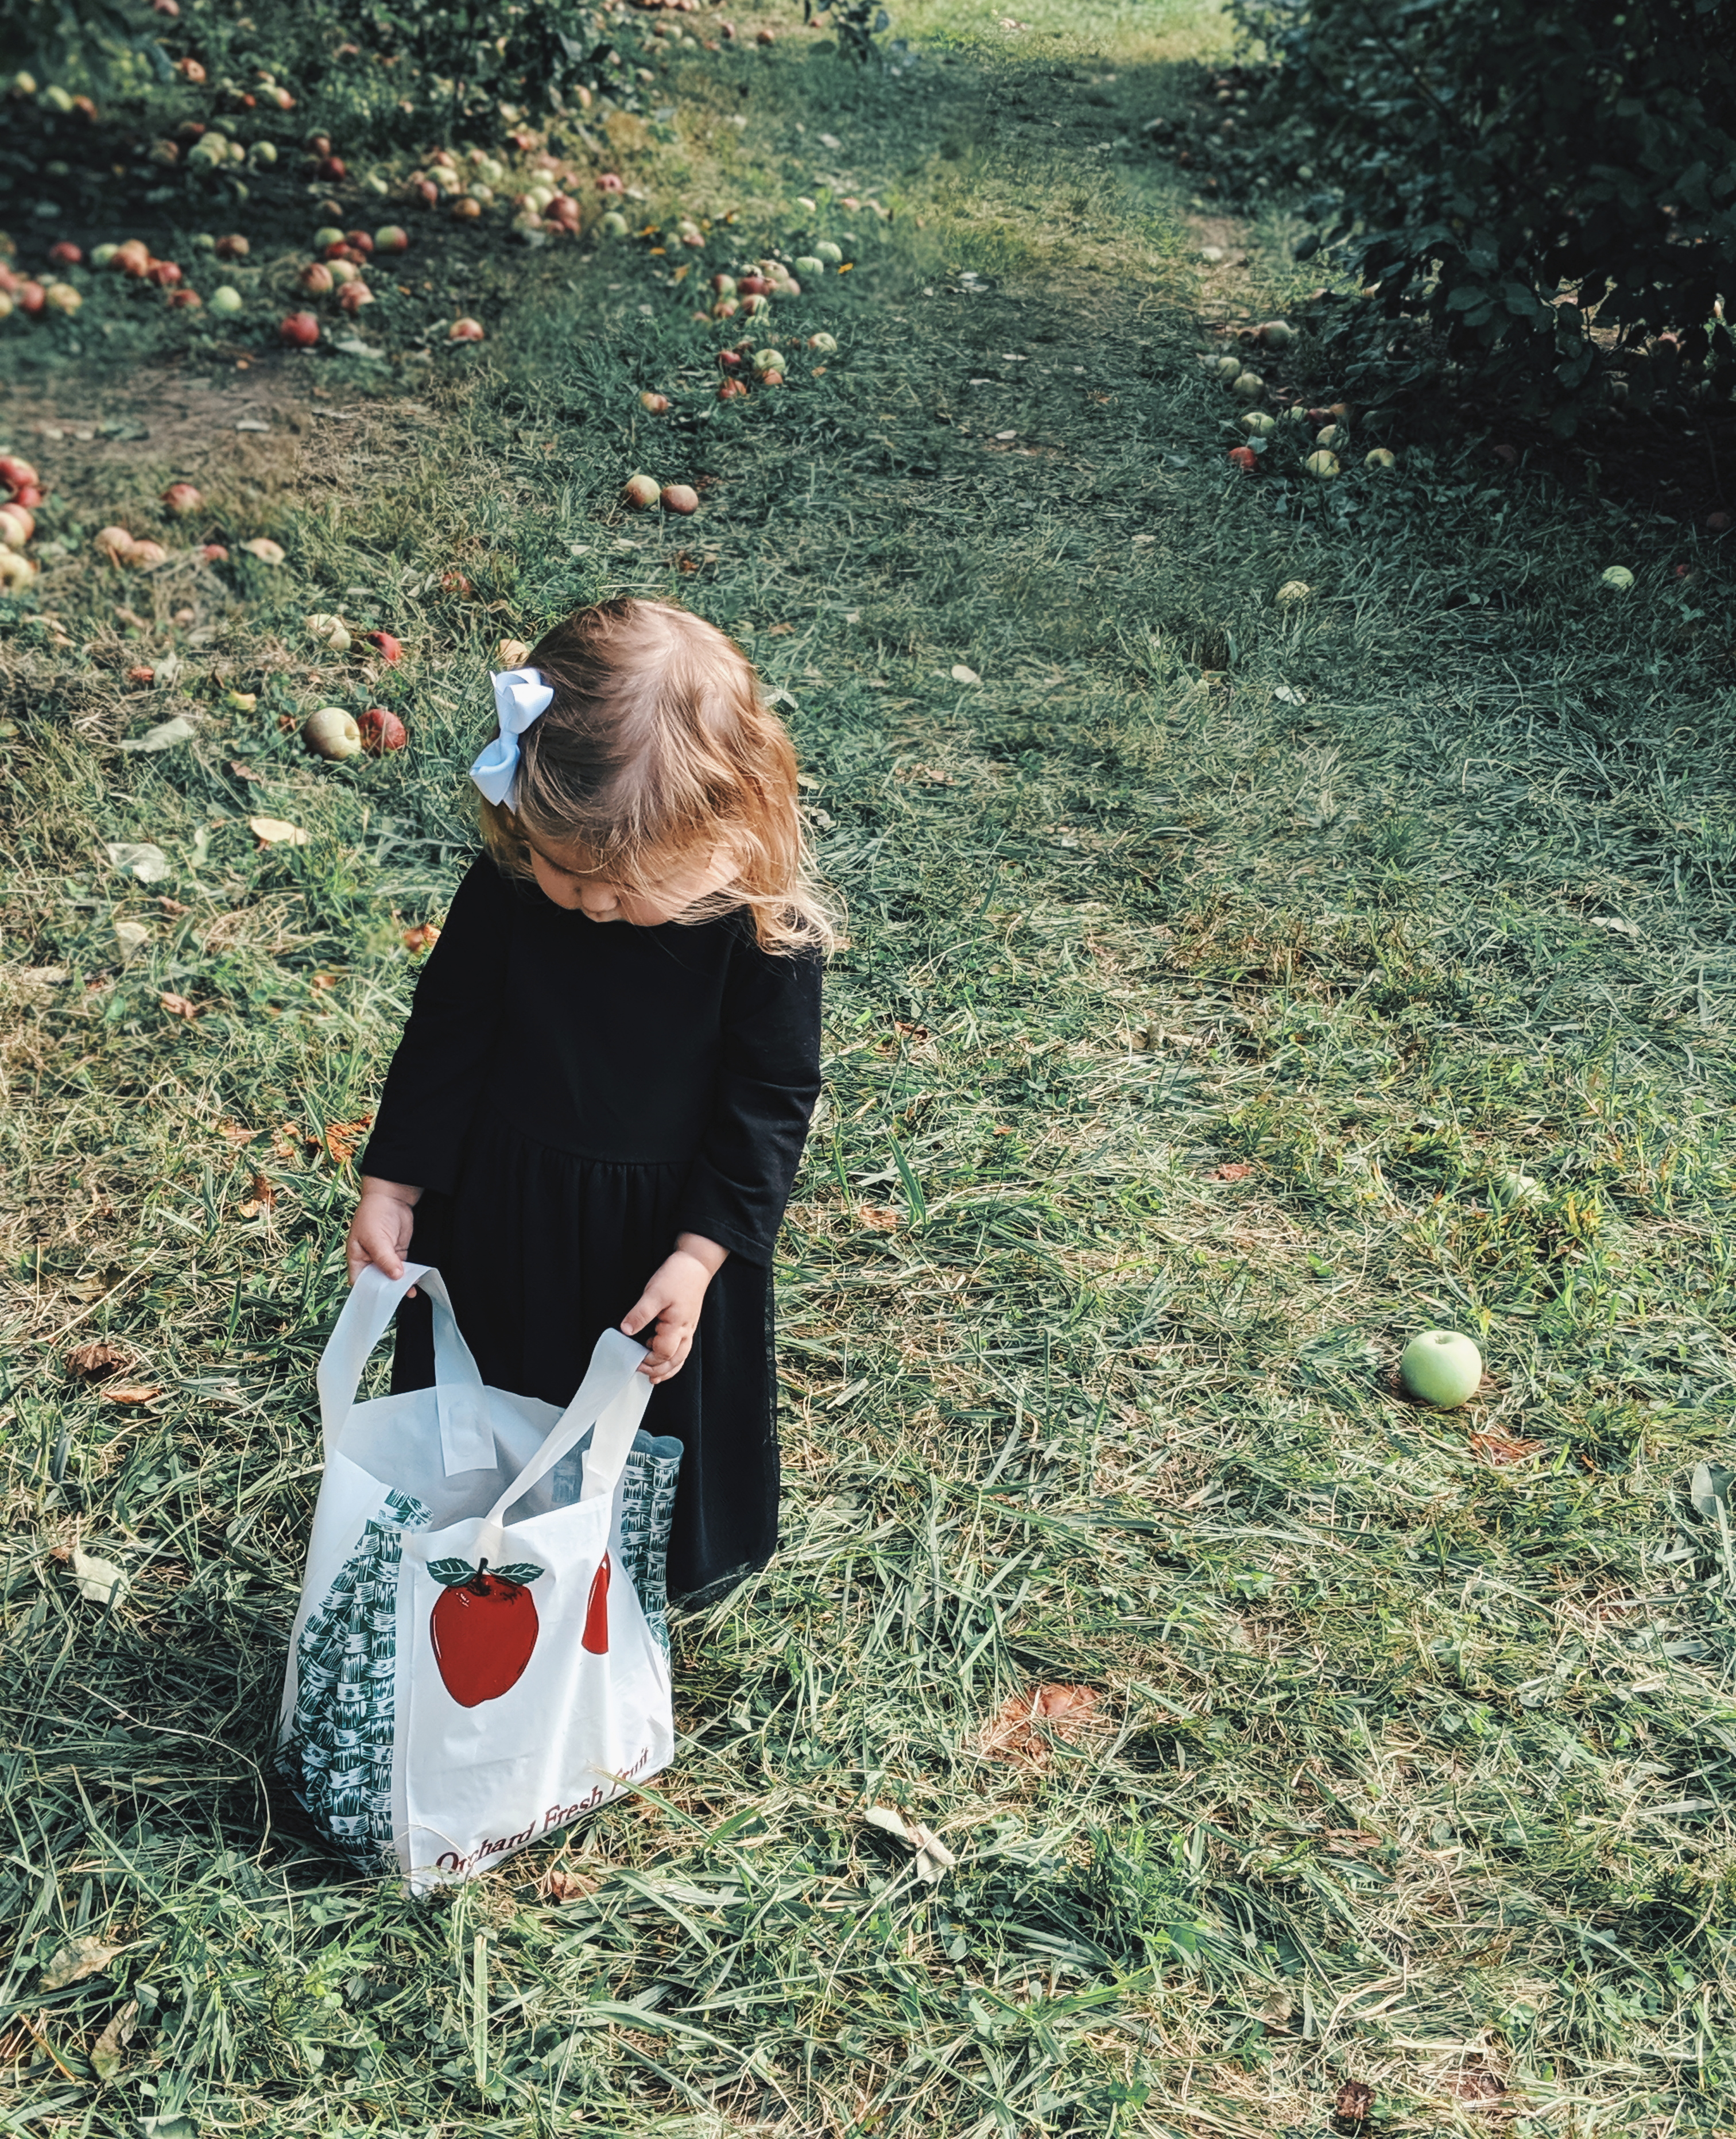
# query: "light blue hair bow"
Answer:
x=521 y=697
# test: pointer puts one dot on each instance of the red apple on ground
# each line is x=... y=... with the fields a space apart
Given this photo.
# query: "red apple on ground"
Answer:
x=234 y=247
x=65 y=254
x=300 y=329
x=1244 y=458
x=391 y=238
x=679 y=497
x=182 y=497
x=15 y=473
x=164 y=273
x=32 y=298
x=464 y=330
x=654 y=404
x=640 y=491
x=358 y=241
x=381 y=731
x=384 y=644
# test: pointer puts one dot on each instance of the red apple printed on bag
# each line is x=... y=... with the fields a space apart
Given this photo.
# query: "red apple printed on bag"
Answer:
x=484 y=1627
x=595 y=1637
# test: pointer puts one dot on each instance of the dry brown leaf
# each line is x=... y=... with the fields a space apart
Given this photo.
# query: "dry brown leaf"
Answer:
x=323 y=983
x=1238 y=1170
x=343 y=1138
x=1353 y=2102
x=134 y=1392
x=274 y=832
x=260 y=1197
x=75 y=1961
x=423 y=937
x=1498 y=1448
x=562 y=1883
x=105 y=2052
x=234 y=1133
x=288 y=1141
x=878 y=1218
x=97 y=1360
x=178 y=1006
x=780 y=630
x=911 y=1032
x=1023 y=1726
x=243 y=771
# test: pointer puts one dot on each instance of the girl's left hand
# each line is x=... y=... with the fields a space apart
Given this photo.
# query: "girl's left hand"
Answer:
x=672 y=1300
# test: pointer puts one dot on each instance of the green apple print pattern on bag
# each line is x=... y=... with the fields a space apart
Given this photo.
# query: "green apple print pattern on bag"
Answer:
x=338 y=1754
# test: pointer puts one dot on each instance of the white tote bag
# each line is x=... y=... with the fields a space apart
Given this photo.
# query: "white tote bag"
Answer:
x=481 y=1651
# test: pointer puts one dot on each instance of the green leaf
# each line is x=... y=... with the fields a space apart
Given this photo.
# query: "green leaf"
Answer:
x=521 y=1570
x=451 y=1572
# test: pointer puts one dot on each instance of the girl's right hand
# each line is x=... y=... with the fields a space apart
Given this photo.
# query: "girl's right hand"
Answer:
x=380 y=1233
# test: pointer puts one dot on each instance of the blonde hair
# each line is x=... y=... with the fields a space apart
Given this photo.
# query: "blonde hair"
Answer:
x=656 y=750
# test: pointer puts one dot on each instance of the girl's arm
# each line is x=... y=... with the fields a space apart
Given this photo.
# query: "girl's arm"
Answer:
x=767 y=1080
x=437 y=1075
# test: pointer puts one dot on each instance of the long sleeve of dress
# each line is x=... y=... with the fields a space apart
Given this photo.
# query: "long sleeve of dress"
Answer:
x=437 y=1073
x=768 y=1079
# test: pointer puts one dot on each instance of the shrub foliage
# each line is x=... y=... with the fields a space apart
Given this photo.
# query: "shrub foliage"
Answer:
x=1542 y=179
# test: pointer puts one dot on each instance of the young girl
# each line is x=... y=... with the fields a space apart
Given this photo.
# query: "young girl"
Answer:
x=596 y=1110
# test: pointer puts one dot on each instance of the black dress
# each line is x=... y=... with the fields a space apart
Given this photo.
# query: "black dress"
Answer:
x=570 y=1095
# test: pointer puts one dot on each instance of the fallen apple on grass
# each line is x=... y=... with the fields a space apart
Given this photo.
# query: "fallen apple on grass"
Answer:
x=300 y=330
x=1249 y=386
x=1258 y=424
x=385 y=645
x=227 y=299
x=1380 y=457
x=331 y=733
x=678 y=497
x=654 y=404
x=315 y=279
x=1619 y=577
x=1322 y=465
x=1440 y=1367
x=640 y=492
x=1230 y=368
x=330 y=632
x=465 y=329
x=1244 y=458
x=381 y=731
x=181 y=498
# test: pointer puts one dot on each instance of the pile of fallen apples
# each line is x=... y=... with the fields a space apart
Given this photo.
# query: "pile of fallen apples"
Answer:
x=333 y=732
x=1331 y=424
x=17 y=521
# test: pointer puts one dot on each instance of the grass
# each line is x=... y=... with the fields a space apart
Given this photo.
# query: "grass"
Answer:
x=1216 y=963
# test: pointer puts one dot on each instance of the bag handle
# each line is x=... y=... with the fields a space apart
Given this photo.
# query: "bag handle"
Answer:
x=466 y=1441
x=612 y=1397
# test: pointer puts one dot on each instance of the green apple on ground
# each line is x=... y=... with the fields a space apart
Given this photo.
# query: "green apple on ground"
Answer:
x=1442 y=1368
x=331 y=733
